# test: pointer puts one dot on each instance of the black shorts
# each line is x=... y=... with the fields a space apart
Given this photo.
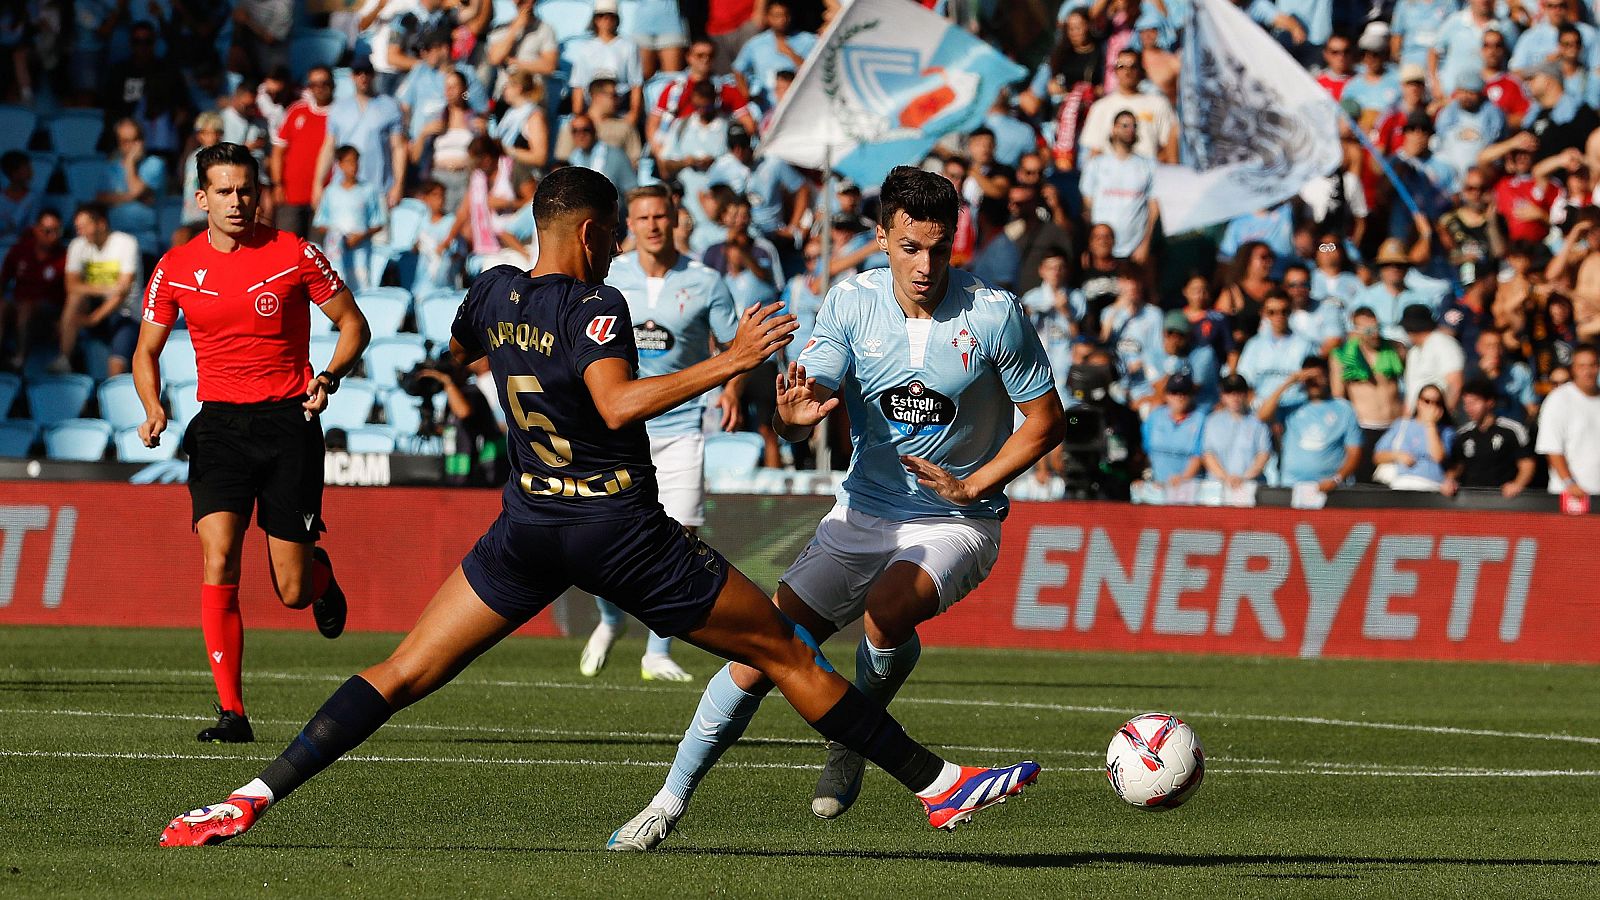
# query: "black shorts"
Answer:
x=650 y=566
x=266 y=455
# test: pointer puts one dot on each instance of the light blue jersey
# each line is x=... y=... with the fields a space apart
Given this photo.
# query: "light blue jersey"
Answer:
x=941 y=389
x=674 y=320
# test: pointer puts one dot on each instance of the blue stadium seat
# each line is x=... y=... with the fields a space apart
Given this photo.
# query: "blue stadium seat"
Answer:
x=371 y=439
x=169 y=215
x=177 y=358
x=314 y=47
x=16 y=128
x=505 y=12
x=86 y=178
x=732 y=454
x=436 y=313
x=139 y=220
x=386 y=357
x=56 y=398
x=44 y=167
x=81 y=440
x=119 y=402
x=76 y=132
x=403 y=413
x=10 y=387
x=351 y=407
x=399 y=246
x=568 y=18
x=130 y=448
x=322 y=346
x=184 y=401
x=17 y=437
x=385 y=308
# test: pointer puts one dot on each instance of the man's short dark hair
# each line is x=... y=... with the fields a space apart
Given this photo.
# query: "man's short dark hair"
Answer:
x=1363 y=312
x=922 y=196
x=94 y=209
x=981 y=131
x=343 y=151
x=1586 y=347
x=1315 y=362
x=225 y=153
x=1480 y=387
x=571 y=190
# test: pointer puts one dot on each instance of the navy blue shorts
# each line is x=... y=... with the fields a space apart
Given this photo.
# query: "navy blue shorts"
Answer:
x=650 y=566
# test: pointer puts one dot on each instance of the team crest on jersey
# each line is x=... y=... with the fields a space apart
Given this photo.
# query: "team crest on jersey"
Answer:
x=516 y=297
x=916 y=408
x=602 y=329
x=682 y=296
x=965 y=343
x=267 y=304
x=653 y=339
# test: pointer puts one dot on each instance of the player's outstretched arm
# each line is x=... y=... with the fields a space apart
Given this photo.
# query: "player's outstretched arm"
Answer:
x=147 y=380
x=1043 y=429
x=802 y=403
x=624 y=400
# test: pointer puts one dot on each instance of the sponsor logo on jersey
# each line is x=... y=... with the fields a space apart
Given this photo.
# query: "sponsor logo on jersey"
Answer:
x=653 y=339
x=200 y=276
x=872 y=347
x=601 y=328
x=916 y=408
x=516 y=297
x=267 y=304
x=965 y=343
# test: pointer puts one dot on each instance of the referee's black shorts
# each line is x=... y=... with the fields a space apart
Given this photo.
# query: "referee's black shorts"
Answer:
x=265 y=455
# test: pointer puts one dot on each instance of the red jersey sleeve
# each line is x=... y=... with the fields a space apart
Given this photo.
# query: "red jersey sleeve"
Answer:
x=160 y=306
x=321 y=282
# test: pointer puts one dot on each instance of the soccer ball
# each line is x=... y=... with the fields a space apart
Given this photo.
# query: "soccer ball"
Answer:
x=1155 y=762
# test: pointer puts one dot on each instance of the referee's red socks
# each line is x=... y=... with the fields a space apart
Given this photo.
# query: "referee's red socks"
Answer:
x=321 y=574
x=224 y=633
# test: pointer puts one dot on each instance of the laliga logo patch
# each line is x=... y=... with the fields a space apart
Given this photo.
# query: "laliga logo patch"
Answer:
x=601 y=329
x=266 y=304
x=965 y=343
x=652 y=339
x=915 y=408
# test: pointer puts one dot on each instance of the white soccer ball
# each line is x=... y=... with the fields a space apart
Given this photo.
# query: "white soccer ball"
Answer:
x=1155 y=762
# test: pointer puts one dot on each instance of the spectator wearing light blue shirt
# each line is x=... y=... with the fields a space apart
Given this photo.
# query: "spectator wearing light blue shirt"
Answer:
x=350 y=212
x=1458 y=49
x=1332 y=276
x=373 y=124
x=131 y=175
x=1375 y=89
x=1414 y=29
x=1173 y=435
x=609 y=54
x=1467 y=125
x=691 y=147
x=1418 y=445
x=1273 y=227
x=592 y=153
x=1195 y=363
x=1320 y=322
x=1132 y=328
x=1236 y=445
x=772 y=51
x=1542 y=42
x=1117 y=190
x=1515 y=397
x=1389 y=295
x=421 y=94
x=1321 y=441
x=1273 y=355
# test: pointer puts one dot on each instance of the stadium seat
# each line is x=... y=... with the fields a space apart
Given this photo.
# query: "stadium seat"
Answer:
x=371 y=439
x=183 y=400
x=505 y=12
x=10 y=387
x=44 y=167
x=732 y=454
x=16 y=128
x=76 y=132
x=177 y=358
x=387 y=357
x=399 y=246
x=138 y=220
x=86 y=178
x=436 y=313
x=322 y=346
x=130 y=448
x=568 y=18
x=385 y=308
x=314 y=47
x=119 y=402
x=351 y=407
x=81 y=440
x=17 y=437
x=56 y=398
x=169 y=215
x=404 y=415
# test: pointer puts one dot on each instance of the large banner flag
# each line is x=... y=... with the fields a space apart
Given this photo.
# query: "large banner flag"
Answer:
x=888 y=79
x=1256 y=126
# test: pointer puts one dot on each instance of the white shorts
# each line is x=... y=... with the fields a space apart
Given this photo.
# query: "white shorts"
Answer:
x=851 y=549
x=680 y=461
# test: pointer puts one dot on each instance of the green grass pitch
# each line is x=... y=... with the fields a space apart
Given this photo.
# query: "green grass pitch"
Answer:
x=1325 y=778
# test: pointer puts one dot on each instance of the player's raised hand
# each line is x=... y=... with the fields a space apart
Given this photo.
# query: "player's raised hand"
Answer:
x=762 y=332
x=797 y=398
x=938 y=479
x=154 y=424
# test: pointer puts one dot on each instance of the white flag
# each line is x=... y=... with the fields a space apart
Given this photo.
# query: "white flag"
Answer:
x=887 y=80
x=1256 y=125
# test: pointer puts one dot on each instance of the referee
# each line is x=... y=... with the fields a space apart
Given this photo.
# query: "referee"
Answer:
x=246 y=290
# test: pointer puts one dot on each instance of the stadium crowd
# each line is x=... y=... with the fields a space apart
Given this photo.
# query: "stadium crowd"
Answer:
x=1417 y=317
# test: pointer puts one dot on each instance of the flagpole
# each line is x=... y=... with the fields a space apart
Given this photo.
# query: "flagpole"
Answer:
x=824 y=454
x=1388 y=171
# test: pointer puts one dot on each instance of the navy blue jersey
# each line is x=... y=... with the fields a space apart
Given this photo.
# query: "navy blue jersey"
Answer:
x=540 y=334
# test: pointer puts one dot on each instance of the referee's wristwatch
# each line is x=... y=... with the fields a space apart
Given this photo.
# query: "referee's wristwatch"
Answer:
x=332 y=382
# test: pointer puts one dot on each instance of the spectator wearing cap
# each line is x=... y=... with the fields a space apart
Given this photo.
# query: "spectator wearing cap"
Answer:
x=1274 y=354
x=422 y=94
x=1194 y=361
x=611 y=125
x=590 y=152
x=295 y=146
x=1235 y=445
x=1390 y=295
x=1377 y=87
x=1414 y=99
x=1561 y=121
x=1157 y=131
x=1416 y=448
x=1338 y=65
x=1489 y=452
x=1502 y=88
x=1569 y=427
x=374 y=124
x=1457 y=51
x=1118 y=190
x=775 y=49
x=1133 y=329
x=610 y=54
x=1321 y=441
x=1414 y=29
x=1173 y=434
x=1542 y=41
x=1432 y=181
x=525 y=44
x=1467 y=125
x=1434 y=358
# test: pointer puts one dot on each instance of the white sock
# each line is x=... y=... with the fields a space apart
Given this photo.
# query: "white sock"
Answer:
x=257 y=788
x=669 y=803
x=948 y=776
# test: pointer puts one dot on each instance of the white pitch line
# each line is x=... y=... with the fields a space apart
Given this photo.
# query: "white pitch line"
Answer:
x=936 y=701
x=656 y=764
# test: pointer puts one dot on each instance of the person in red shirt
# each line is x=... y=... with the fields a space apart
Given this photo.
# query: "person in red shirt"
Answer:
x=1340 y=67
x=677 y=99
x=35 y=271
x=1500 y=86
x=1523 y=200
x=294 y=152
x=246 y=290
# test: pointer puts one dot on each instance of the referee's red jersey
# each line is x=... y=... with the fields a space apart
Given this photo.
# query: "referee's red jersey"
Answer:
x=249 y=311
